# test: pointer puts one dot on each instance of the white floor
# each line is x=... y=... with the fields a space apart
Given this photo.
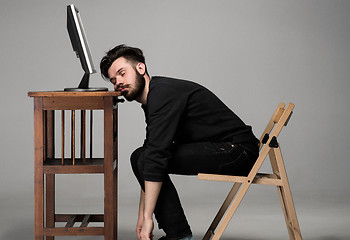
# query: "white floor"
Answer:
x=257 y=218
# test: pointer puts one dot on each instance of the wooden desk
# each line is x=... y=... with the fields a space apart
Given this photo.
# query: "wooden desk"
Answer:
x=46 y=165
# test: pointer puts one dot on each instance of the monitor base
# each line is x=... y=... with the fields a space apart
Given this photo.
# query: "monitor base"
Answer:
x=84 y=86
x=85 y=89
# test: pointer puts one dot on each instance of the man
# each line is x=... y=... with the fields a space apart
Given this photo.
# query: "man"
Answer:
x=189 y=131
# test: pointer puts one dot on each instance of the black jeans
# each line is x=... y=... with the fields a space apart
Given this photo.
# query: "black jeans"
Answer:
x=190 y=159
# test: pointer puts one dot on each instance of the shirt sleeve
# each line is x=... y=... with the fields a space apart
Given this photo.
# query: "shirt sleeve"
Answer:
x=165 y=109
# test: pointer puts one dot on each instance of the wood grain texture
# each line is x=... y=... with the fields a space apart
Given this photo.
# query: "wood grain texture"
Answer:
x=47 y=165
x=74 y=94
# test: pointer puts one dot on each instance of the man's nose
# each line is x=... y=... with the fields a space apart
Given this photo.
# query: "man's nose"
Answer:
x=117 y=85
x=119 y=81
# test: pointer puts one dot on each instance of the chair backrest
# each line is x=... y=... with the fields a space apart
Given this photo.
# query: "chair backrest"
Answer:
x=268 y=139
x=279 y=119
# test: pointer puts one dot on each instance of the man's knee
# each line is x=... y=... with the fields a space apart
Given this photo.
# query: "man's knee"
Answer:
x=135 y=159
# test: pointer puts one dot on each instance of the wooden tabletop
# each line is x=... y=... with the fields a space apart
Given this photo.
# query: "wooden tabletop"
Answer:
x=74 y=94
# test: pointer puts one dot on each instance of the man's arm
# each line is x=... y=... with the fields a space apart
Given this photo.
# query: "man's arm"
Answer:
x=164 y=113
x=141 y=211
x=152 y=190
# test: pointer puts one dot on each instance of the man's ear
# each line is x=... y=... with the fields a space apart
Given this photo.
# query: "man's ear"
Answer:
x=141 y=68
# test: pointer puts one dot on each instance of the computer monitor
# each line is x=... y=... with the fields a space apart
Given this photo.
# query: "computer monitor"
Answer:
x=81 y=47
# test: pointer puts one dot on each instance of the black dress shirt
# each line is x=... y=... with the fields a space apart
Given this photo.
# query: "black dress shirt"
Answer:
x=180 y=112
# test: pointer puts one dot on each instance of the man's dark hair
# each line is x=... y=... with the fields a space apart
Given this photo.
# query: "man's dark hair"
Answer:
x=134 y=55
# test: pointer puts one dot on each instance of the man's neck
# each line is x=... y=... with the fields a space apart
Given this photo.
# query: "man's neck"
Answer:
x=143 y=98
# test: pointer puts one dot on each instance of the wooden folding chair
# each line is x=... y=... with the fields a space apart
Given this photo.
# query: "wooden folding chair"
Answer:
x=268 y=145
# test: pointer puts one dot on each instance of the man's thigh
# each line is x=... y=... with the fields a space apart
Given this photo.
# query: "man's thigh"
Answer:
x=202 y=157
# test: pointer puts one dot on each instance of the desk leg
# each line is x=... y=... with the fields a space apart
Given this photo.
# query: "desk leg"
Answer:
x=50 y=178
x=50 y=203
x=38 y=169
x=115 y=175
x=115 y=204
x=109 y=188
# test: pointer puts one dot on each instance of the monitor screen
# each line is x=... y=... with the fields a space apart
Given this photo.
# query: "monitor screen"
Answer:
x=81 y=47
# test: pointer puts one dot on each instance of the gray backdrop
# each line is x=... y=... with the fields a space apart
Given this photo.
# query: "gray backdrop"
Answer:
x=252 y=54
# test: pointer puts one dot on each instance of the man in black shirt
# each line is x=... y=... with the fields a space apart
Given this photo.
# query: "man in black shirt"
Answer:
x=189 y=131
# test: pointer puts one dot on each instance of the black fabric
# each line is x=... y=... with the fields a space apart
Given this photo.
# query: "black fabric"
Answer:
x=182 y=112
x=191 y=159
x=189 y=131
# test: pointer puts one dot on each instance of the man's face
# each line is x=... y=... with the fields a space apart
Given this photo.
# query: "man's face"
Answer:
x=126 y=79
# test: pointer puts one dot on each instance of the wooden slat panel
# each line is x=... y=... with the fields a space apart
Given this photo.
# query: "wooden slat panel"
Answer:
x=68 y=162
x=62 y=135
x=54 y=166
x=85 y=221
x=71 y=103
x=73 y=169
x=50 y=134
x=88 y=231
x=91 y=131
x=79 y=217
x=83 y=136
x=45 y=134
x=71 y=222
x=73 y=137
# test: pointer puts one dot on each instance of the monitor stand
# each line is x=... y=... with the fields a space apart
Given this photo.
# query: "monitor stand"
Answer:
x=84 y=86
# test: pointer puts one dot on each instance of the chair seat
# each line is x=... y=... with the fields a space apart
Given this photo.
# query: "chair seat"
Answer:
x=260 y=178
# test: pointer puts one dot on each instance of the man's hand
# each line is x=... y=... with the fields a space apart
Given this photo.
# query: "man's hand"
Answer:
x=147 y=229
x=141 y=212
x=139 y=227
x=148 y=202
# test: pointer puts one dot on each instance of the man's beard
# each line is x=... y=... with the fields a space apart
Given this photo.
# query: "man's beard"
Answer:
x=137 y=91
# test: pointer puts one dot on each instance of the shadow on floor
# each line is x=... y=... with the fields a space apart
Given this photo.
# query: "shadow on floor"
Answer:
x=26 y=231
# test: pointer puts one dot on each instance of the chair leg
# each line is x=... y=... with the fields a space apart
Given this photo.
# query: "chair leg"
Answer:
x=287 y=199
x=222 y=211
x=275 y=169
x=240 y=194
x=231 y=210
x=285 y=212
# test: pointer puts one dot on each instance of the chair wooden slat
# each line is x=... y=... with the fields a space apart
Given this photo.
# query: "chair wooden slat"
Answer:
x=260 y=178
